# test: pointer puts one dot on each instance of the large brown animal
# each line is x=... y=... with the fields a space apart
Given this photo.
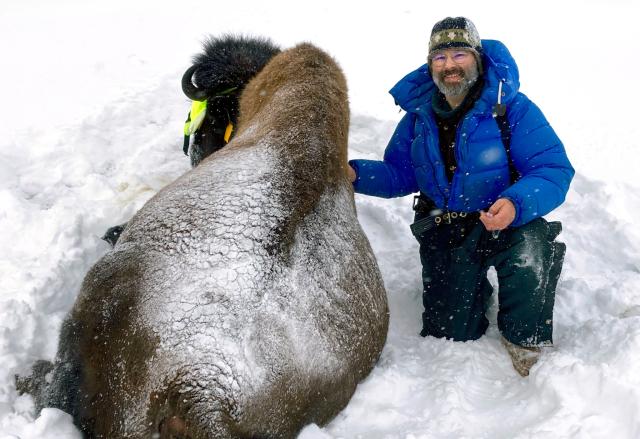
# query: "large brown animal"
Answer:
x=243 y=300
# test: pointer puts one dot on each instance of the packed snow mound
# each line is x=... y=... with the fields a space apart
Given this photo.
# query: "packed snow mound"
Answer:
x=74 y=187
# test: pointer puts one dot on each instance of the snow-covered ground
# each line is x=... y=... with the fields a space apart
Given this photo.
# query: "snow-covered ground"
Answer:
x=91 y=116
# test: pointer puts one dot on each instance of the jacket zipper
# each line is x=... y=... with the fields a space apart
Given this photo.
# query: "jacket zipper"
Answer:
x=434 y=129
x=456 y=154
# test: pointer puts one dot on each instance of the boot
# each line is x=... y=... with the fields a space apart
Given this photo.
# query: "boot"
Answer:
x=522 y=357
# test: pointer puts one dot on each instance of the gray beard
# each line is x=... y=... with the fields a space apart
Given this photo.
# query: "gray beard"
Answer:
x=462 y=88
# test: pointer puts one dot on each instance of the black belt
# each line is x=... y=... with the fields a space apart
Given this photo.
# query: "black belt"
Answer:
x=450 y=217
x=436 y=216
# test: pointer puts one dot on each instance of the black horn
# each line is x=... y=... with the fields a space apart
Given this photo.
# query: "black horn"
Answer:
x=189 y=88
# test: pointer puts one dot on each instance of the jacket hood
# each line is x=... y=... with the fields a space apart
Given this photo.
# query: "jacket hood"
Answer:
x=416 y=88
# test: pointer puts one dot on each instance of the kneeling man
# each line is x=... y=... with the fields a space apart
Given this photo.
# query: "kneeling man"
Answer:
x=487 y=166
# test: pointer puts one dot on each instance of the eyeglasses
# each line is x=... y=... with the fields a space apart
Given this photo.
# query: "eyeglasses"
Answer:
x=458 y=57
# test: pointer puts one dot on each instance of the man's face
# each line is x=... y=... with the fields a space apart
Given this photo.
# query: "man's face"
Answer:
x=454 y=71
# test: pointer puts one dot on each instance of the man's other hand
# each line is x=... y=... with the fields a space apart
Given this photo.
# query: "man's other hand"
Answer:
x=500 y=215
x=351 y=174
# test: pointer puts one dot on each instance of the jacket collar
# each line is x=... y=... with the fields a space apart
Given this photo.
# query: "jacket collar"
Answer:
x=413 y=93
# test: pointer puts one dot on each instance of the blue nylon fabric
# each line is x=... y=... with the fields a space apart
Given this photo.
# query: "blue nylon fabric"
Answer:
x=412 y=161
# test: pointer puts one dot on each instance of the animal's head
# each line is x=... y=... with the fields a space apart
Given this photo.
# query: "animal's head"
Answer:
x=214 y=82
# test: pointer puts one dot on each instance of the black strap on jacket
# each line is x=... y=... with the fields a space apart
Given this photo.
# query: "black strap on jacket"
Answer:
x=505 y=133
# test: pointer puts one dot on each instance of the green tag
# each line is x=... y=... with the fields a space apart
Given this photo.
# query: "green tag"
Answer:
x=196 y=116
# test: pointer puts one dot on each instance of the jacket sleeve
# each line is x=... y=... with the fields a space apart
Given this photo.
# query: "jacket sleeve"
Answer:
x=541 y=160
x=394 y=176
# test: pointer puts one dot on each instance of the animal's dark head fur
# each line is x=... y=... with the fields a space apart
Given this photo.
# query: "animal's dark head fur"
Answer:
x=231 y=61
x=227 y=62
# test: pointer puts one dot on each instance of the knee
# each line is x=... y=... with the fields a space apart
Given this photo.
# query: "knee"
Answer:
x=534 y=244
x=538 y=230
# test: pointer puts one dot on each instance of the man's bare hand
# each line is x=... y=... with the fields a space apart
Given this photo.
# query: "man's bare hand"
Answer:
x=500 y=215
x=351 y=174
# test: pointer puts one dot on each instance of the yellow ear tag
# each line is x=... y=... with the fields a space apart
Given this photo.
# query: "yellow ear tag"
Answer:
x=227 y=133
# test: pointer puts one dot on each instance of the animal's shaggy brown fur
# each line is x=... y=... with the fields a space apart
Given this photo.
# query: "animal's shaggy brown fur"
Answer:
x=300 y=103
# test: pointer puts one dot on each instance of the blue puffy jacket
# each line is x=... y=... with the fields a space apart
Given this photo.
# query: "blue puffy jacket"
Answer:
x=413 y=162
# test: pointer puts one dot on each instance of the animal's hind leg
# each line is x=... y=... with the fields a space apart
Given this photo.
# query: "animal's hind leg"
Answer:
x=63 y=390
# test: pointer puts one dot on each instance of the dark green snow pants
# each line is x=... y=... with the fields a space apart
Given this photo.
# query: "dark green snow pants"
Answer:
x=455 y=259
